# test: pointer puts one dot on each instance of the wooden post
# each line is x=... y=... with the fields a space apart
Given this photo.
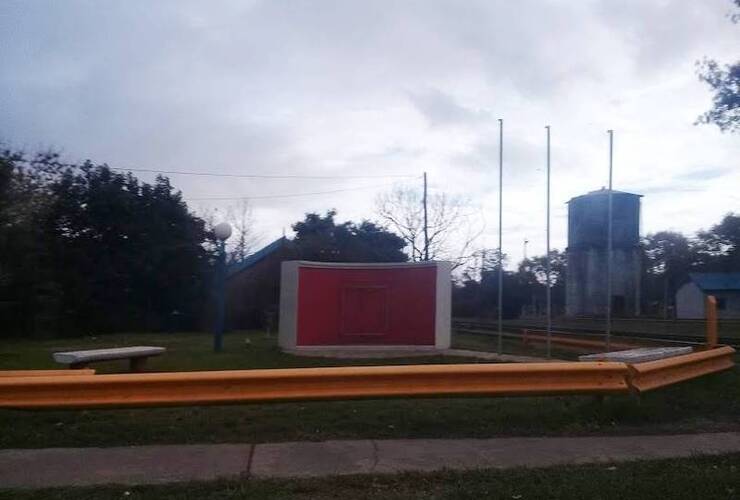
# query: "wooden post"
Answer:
x=710 y=310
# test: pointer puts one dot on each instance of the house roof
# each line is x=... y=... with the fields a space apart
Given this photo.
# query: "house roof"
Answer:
x=257 y=256
x=716 y=281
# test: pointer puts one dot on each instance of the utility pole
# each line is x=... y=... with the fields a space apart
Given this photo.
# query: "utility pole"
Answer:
x=548 y=291
x=426 y=221
x=500 y=234
x=526 y=241
x=609 y=246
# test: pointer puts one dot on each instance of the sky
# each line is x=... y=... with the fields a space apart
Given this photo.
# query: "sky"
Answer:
x=384 y=88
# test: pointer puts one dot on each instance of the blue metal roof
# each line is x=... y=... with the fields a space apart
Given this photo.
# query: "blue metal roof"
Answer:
x=716 y=281
x=257 y=256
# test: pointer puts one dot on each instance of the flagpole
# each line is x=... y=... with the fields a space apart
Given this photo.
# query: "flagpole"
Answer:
x=547 y=255
x=500 y=233
x=609 y=246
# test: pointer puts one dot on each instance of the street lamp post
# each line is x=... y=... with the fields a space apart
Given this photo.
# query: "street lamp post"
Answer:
x=222 y=232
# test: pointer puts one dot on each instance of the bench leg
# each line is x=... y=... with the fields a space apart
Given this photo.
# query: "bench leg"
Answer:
x=137 y=365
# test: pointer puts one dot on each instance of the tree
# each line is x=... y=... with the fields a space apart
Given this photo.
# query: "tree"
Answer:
x=724 y=81
x=88 y=249
x=244 y=239
x=537 y=267
x=131 y=250
x=27 y=291
x=322 y=239
x=718 y=248
x=451 y=229
x=476 y=293
x=668 y=260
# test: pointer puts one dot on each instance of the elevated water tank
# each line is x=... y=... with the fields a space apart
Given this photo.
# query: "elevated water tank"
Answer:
x=587 y=254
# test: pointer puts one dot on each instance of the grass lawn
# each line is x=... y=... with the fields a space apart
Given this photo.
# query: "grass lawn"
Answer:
x=711 y=403
x=689 y=479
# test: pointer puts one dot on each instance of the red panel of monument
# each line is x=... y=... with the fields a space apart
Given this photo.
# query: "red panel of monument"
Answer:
x=391 y=306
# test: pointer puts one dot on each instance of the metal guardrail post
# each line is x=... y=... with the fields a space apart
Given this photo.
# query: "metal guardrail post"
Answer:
x=710 y=308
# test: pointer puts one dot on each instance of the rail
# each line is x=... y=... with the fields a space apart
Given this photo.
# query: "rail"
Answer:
x=568 y=340
x=483 y=328
x=655 y=374
x=240 y=386
x=46 y=373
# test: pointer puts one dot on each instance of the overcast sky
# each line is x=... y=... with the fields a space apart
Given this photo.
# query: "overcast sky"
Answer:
x=371 y=88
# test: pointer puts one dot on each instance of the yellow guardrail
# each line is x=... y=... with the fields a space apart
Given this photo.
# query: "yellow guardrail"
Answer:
x=238 y=386
x=84 y=389
x=573 y=341
x=46 y=373
x=655 y=374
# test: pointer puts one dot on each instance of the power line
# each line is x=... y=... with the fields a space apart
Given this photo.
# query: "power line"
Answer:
x=265 y=176
x=258 y=197
x=222 y=174
x=290 y=195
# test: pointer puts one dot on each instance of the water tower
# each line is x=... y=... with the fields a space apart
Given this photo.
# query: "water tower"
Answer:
x=586 y=287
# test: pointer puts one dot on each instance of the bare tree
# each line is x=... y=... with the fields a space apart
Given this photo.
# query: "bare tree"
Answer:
x=453 y=225
x=244 y=239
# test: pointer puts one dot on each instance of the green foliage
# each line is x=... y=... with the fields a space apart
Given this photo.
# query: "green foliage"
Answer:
x=671 y=256
x=322 y=239
x=668 y=259
x=724 y=82
x=477 y=293
x=26 y=287
x=718 y=248
x=86 y=249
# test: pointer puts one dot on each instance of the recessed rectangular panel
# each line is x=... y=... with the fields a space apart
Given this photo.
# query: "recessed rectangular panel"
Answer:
x=366 y=306
x=364 y=310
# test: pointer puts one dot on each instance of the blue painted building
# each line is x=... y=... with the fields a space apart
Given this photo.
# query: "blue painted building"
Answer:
x=725 y=287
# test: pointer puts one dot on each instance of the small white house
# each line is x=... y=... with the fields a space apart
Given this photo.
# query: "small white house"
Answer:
x=724 y=286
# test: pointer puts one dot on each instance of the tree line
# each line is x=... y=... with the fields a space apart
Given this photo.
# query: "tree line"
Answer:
x=670 y=257
x=667 y=256
x=86 y=249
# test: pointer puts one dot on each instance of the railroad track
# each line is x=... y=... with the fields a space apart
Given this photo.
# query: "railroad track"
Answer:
x=484 y=328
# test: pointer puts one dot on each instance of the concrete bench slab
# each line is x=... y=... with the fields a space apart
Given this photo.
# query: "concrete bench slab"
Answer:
x=136 y=354
x=639 y=355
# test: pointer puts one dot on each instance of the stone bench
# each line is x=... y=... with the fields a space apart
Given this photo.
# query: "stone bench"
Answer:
x=640 y=355
x=137 y=356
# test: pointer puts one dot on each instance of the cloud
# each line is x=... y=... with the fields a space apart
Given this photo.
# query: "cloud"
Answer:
x=442 y=109
x=345 y=88
x=703 y=174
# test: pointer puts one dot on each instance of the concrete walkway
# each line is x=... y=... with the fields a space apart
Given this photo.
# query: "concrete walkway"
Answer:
x=173 y=463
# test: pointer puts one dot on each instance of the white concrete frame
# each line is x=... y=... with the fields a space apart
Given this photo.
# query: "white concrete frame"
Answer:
x=287 y=337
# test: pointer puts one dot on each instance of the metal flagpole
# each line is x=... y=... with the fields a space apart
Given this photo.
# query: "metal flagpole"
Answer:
x=500 y=233
x=609 y=246
x=547 y=254
x=426 y=221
